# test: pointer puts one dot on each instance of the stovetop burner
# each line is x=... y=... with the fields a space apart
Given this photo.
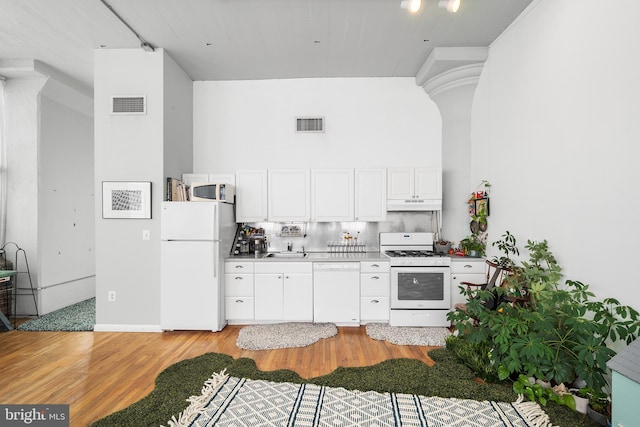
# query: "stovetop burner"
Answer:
x=410 y=254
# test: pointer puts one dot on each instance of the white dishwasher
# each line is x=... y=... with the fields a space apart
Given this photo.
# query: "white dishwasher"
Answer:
x=336 y=293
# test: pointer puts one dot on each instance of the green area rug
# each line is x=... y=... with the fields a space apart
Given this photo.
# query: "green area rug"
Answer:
x=77 y=317
x=447 y=378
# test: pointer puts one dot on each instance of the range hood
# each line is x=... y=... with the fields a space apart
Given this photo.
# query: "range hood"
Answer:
x=413 y=205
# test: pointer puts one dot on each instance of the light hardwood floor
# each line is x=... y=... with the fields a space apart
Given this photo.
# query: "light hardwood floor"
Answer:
x=98 y=373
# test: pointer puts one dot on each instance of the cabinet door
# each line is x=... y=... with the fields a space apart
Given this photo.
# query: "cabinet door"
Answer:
x=332 y=195
x=374 y=284
x=456 y=279
x=268 y=291
x=374 y=309
x=251 y=196
x=428 y=183
x=298 y=297
x=238 y=285
x=288 y=198
x=371 y=195
x=239 y=308
x=400 y=183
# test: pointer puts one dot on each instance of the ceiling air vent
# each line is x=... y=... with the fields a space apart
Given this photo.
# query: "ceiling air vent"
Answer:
x=129 y=104
x=310 y=124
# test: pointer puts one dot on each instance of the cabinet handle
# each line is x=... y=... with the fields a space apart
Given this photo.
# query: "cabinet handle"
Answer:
x=375 y=278
x=374 y=301
x=375 y=265
x=239 y=278
x=455 y=278
x=286 y=277
x=279 y=277
x=468 y=266
x=239 y=301
x=239 y=266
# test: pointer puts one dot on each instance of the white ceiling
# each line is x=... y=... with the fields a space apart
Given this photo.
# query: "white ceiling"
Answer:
x=251 y=39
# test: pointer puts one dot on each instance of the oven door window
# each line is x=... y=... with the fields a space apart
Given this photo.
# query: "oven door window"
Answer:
x=420 y=286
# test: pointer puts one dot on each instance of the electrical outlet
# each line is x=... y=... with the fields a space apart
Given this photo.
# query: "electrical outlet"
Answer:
x=111 y=296
x=146 y=234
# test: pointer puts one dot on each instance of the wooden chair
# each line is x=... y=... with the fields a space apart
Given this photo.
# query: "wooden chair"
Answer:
x=496 y=276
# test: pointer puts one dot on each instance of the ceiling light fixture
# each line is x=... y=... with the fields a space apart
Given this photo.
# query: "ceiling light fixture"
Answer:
x=412 y=6
x=451 y=5
x=146 y=46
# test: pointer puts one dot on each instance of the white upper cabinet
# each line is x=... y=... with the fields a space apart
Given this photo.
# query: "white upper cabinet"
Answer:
x=332 y=193
x=251 y=196
x=401 y=183
x=288 y=195
x=414 y=189
x=428 y=183
x=371 y=195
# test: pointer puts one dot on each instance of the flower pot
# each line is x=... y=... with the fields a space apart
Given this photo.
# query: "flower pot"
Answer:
x=597 y=416
x=582 y=404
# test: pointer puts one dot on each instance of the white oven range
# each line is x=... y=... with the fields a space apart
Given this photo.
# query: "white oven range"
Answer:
x=420 y=280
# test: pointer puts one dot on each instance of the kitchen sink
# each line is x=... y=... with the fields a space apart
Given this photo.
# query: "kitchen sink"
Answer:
x=286 y=255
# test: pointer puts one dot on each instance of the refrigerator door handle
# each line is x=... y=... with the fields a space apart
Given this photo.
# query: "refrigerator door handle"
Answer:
x=216 y=248
x=216 y=222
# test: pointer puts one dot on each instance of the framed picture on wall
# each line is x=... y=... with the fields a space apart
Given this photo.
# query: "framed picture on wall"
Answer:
x=126 y=199
x=481 y=206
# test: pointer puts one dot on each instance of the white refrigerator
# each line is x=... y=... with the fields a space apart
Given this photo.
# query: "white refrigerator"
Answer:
x=196 y=238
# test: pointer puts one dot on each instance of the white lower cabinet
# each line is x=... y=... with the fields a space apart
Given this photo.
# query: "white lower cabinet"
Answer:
x=283 y=291
x=239 y=295
x=374 y=292
x=466 y=270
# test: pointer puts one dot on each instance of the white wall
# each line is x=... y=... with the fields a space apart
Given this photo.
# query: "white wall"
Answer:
x=132 y=148
x=128 y=148
x=66 y=245
x=21 y=132
x=370 y=122
x=178 y=120
x=556 y=131
x=49 y=204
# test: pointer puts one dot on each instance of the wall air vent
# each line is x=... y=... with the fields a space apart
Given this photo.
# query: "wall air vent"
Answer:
x=129 y=104
x=309 y=124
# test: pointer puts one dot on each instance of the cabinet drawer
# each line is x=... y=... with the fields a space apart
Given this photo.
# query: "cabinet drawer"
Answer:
x=239 y=308
x=238 y=267
x=374 y=267
x=468 y=267
x=374 y=308
x=374 y=284
x=238 y=285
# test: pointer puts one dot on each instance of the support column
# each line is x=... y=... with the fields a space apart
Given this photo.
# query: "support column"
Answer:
x=450 y=76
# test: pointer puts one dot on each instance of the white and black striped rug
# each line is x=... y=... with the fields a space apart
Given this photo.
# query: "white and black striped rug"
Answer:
x=230 y=401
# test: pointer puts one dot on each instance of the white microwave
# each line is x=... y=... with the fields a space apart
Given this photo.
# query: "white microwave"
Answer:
x=211 y=192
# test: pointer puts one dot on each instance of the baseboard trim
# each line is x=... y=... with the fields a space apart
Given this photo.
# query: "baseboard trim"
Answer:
x=126 y=328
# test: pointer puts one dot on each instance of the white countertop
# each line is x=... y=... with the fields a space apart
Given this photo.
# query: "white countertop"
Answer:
x=314 y=256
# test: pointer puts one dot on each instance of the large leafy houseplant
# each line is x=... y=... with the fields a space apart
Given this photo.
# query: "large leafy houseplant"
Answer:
x=562 y=332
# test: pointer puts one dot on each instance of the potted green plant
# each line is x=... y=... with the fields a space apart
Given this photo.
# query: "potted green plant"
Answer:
x=562 y=333
x=506 y=245
x=474 y=245
x=599 y=409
